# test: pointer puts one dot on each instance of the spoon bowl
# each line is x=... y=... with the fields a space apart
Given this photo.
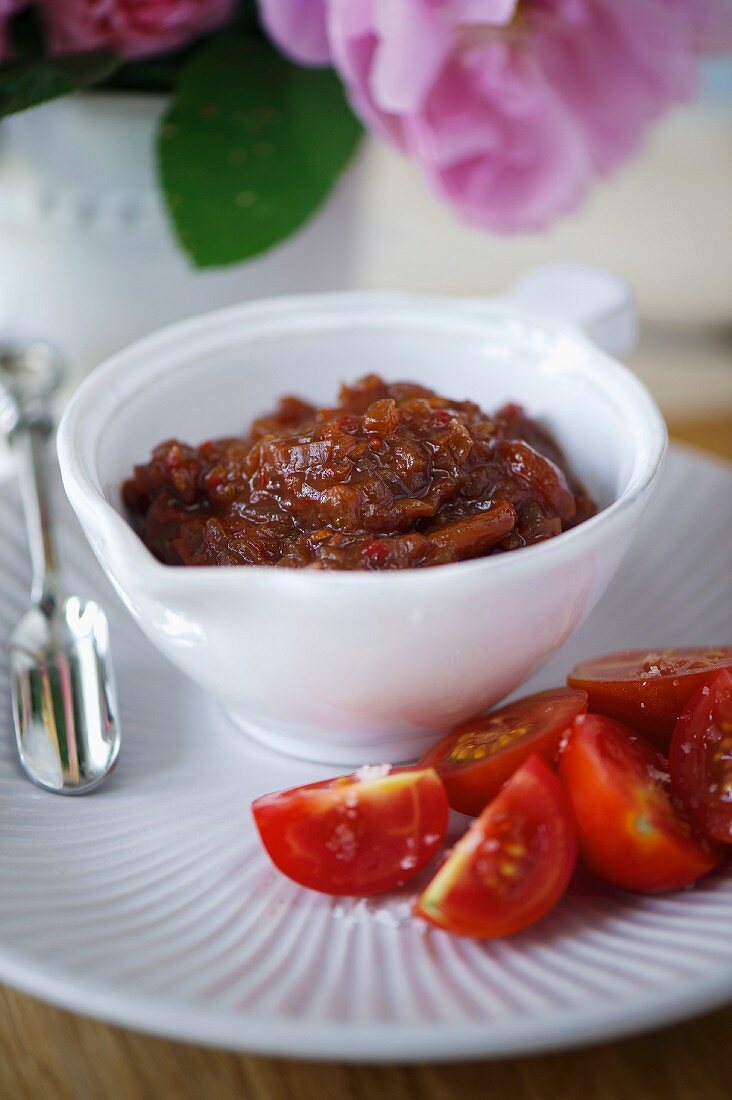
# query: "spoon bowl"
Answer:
x=63 y=697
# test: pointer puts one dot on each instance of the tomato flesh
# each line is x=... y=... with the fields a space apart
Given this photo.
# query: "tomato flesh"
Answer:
x=631 y=832
x=513 y=864
x=700 y=760
x=360 y=834
x=477 y=758
x=648 y=689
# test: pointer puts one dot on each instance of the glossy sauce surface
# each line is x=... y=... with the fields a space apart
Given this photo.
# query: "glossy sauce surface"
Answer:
x=394 y=476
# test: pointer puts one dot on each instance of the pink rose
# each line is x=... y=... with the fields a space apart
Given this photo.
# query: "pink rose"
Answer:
x=298 y=28
x=135 y=28
x=511 y=107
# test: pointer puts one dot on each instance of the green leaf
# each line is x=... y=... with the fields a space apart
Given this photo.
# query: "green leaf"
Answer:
x=249 y=148
x=30 y=83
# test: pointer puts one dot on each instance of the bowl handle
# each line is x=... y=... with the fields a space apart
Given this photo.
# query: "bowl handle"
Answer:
x=589 y=298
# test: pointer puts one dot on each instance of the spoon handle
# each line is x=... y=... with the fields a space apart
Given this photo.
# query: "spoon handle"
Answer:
x=31 y=438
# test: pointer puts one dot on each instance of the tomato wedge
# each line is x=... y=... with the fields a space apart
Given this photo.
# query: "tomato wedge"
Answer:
x=701 y=758
x=648 y=689
x=359 y=834
x=477 y=758
x=513 y=864
x=630 y=831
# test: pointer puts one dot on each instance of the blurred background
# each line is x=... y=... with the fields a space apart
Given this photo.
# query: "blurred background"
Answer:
x=663 y=221
x=87 y=257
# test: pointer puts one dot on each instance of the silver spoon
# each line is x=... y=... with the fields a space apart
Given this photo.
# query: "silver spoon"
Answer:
x=64 y=703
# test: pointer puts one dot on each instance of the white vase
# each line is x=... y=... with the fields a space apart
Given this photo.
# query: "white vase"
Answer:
x=87 y=259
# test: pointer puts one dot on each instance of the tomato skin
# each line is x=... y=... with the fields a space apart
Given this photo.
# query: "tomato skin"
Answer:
x=648 y=689
x=514 y=863
x=630 y=832
x=477 y=758
x=700 y=760
x=355 y=835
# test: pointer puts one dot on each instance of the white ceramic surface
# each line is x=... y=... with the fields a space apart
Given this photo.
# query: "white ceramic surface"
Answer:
x=152 y=904
x=349 y=667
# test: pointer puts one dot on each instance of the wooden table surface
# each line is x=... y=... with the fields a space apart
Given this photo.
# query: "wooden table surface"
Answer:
x=50 y=1054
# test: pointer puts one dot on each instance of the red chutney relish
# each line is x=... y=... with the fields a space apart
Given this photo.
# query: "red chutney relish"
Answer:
x=392 y=477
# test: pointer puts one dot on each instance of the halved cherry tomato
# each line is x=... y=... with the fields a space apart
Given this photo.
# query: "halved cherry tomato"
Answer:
x=477 y=758
x=513 y=864
x=360 y=834
x=630 y=831
x=647 y=689
x=700 y=760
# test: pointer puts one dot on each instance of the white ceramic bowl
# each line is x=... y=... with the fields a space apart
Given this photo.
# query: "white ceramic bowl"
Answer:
x=354 y=667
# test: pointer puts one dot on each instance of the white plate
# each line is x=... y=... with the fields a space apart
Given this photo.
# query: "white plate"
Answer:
x=152 y=904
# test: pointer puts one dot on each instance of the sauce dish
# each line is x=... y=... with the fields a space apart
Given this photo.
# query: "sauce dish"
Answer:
x=368 y=667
